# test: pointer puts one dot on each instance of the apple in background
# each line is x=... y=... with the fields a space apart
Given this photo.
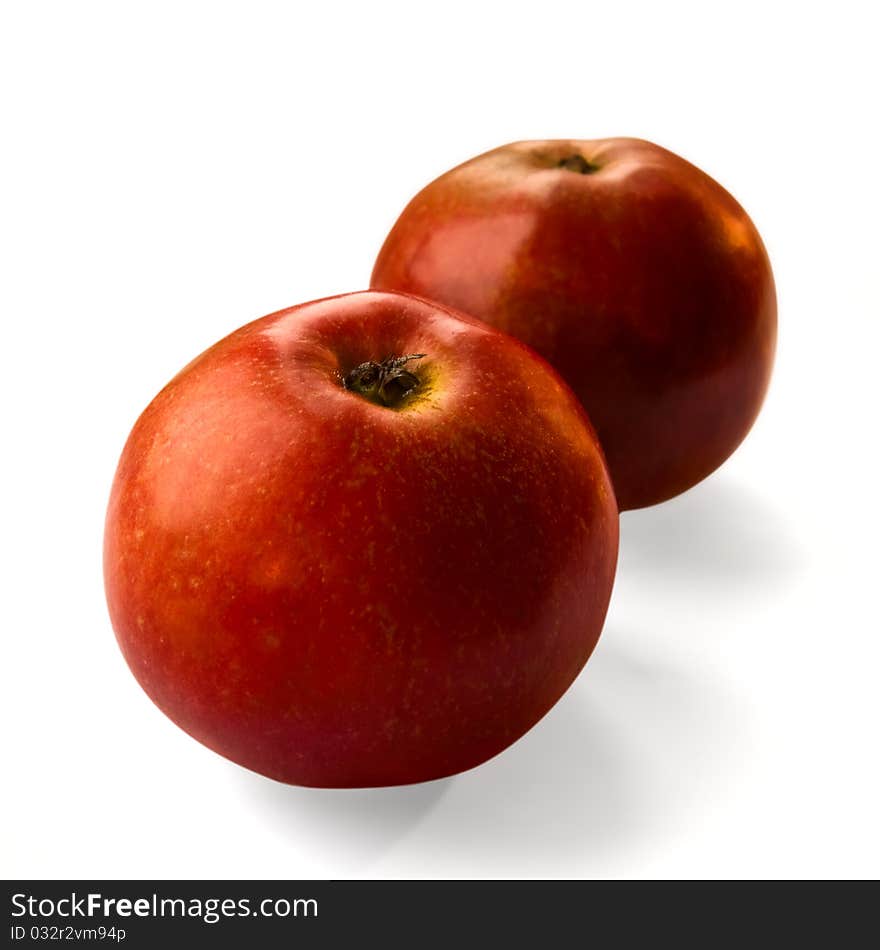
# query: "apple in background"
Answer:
x=364 y=541
x=636 y=275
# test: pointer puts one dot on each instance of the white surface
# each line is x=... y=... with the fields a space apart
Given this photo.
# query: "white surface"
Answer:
x=171 y=171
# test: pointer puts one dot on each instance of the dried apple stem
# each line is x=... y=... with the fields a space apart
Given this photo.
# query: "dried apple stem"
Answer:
x=577 y=163
x=385 y=383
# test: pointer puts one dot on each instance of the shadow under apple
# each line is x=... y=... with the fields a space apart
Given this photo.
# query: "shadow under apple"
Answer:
x=720 y=535
x=634 y=750
x=352 y=827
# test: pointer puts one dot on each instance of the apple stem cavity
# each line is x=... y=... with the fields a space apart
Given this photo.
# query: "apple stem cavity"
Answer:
x=385 y=383
x=577 y=163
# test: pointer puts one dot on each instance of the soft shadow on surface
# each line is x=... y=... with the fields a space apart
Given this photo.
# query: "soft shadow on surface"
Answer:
x=624 y=757
x=627 y=756
x=354 y=826
x=720 y=533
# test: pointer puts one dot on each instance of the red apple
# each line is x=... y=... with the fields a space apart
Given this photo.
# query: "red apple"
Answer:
x=635 y=274
x=364 y=541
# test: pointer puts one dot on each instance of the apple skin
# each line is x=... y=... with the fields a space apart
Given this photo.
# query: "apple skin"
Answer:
x=337 y=593
x=636 y=275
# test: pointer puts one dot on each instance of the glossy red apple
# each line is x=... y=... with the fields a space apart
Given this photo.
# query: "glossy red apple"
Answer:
x=364 y=541
x=634 y=273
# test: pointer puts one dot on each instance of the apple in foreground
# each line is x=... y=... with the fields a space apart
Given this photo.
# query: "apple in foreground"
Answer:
x=364 y=541
x=635 y=274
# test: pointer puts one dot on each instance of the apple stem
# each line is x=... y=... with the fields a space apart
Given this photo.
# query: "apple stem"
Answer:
x=577 y=163
x=385 y=383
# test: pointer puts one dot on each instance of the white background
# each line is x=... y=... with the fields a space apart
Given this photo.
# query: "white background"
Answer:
x=171 y=171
